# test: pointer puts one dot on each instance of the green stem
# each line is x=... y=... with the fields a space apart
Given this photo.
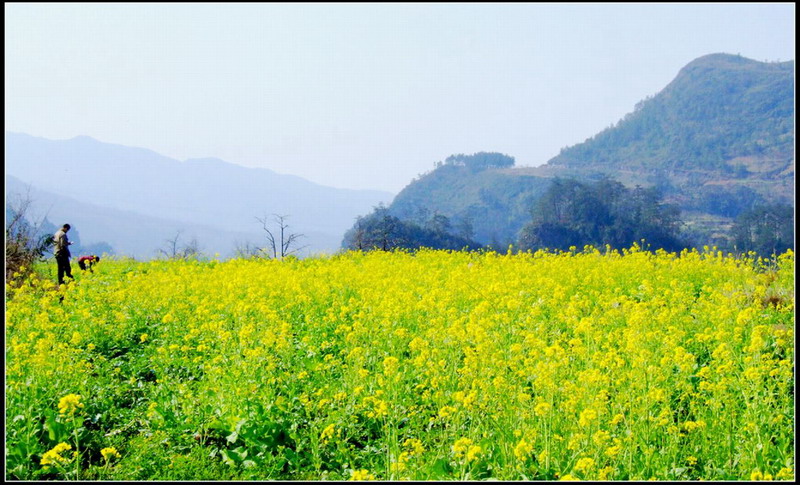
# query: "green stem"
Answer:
x=77 y=450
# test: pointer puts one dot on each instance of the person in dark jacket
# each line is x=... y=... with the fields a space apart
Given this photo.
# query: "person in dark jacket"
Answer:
x=62 y=254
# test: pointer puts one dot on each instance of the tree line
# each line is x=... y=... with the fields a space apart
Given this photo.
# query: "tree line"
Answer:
x=570 y=213
x=573 y=213
x=383 y=231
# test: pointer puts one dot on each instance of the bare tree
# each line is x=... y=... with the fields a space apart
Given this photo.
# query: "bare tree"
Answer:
x=282 y=243
x=173 y=250
x=191 y=249
x=170 y=249
x=246 y=250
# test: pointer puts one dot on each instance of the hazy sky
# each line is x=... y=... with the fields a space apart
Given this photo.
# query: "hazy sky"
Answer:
x=358 y=95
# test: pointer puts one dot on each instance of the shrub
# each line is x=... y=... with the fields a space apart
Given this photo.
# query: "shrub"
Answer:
x=26 y=242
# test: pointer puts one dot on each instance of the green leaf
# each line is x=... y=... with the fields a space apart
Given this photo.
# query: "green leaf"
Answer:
x=56 y=431
x=218 y=425
x=678 y=471
x=291 y=456
x=239 y=453
x=226 y=458
x=442 y=468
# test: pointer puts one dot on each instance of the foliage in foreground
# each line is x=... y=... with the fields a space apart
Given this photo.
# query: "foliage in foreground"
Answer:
x=26 y=242
x=433 y=365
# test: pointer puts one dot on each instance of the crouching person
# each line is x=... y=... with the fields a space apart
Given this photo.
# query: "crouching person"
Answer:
x=86 y=262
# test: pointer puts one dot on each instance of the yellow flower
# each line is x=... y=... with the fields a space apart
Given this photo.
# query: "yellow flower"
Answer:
x=390 y=366
x=151 y=408
x=69 y=404
x=446 y=411
x=109 y=453
x=327 y=433
x=400 y=464
x=362 y=474
x=575 y=441
x=690 y=426
x=53 y=457
x=414 y=446
x=613 y=451
x=542 y=409
x=604 y=473
x=473 y=452
x=600 y=437
x=538 y=341
x=584 y=465
x=542 y=457
x=76 y=338
x=461 y=446
x=523 y=450
x=587 y=417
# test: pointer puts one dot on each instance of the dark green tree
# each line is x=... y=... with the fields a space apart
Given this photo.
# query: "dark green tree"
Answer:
x=382 y=231
x=766 y=229
x=573 y=213
x=439 y=224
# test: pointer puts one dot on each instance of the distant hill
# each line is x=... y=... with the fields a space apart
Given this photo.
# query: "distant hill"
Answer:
x=208 y=193
x=716 y=141
x=496 y=202
x=128 y=233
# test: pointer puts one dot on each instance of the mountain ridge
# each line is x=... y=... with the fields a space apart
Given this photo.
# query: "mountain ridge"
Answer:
x=128 y=233
x=197 y=191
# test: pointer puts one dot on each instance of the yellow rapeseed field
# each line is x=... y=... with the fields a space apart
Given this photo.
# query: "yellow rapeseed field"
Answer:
x=389 y=366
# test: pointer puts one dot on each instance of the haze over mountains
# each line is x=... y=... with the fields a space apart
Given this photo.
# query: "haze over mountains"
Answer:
x=717 y=141
x=134 y=198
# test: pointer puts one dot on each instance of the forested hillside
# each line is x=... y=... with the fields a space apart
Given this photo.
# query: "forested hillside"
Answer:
x=717 y=142
x=487 y=198
x=720 y=114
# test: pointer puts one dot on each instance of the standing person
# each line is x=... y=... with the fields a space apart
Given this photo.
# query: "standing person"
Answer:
x=62 y=253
